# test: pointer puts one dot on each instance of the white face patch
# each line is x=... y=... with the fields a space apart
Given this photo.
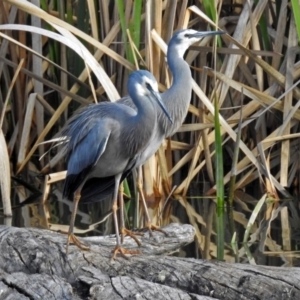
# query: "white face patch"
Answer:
x=186 y=41
x=142 y=83
x=153 y=83
x=140 y=90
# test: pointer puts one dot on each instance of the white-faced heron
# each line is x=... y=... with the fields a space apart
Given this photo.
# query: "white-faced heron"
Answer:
x=105 y=139
x=176 y=99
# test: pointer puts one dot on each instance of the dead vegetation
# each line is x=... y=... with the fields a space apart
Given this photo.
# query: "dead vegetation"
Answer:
x=253 y=72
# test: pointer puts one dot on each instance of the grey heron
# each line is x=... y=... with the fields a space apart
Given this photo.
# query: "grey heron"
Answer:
x=105 y=139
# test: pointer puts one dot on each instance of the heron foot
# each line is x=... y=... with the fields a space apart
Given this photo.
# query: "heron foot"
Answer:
x=122 y=251
x=126 y=232
x=151 y=227
x=75 y=240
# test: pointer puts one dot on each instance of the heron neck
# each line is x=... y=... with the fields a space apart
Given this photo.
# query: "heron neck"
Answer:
x=177 y=98
x=143 y=122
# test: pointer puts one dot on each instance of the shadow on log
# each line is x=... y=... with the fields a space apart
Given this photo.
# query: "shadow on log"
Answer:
x=33 y=265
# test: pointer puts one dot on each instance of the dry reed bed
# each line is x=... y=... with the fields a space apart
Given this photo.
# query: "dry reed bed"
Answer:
x=253 y=81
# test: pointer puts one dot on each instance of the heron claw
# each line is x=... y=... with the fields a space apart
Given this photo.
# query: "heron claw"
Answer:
x=75 y=240
x=151 y=227
x=123 y=252
x=132 y=234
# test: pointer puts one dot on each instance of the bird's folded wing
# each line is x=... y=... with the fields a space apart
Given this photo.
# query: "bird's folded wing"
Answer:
x=83 y=158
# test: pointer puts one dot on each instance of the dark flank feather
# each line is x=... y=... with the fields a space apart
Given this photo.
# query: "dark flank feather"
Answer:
x=73 y=181
x=97 y=189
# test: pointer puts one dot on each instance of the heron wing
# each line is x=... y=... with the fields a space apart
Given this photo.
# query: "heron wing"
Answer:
x=83 y=158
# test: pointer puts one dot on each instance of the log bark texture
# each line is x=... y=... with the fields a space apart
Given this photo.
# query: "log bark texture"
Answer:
x=33 y=265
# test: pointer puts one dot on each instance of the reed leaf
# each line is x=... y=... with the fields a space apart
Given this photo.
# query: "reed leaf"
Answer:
x=219 y=174
x=296 y=12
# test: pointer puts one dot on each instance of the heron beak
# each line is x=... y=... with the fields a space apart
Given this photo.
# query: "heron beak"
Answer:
x=203 y=34
x=157 y=97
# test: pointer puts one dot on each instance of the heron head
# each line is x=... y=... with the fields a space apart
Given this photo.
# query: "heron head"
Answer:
x=183 y=39
x=143 y=84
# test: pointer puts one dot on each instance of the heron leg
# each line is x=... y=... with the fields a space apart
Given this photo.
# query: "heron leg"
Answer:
x=118 y=248
x=123 y=230
x=121 y=205
x=71 y=237
x=149 y=226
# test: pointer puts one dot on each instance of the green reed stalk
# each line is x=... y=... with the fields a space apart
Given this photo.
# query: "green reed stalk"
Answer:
x=220 y=185
x=135 y=23
x=134 y=26
x=263 y=27
x=296 y=13
x=210 y=10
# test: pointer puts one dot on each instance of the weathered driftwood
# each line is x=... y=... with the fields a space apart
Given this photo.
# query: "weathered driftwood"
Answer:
x=33 y=265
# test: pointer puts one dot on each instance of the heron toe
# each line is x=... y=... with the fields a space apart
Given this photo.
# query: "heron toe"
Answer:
x=132 y=234
x=75 y=240
x=122 y=251
x=151 y=227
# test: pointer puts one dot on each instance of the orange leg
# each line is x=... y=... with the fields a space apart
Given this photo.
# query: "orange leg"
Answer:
x=71 y=237
x=118 y=249
x=123 y=230
x=149 y=226
x=121 y=205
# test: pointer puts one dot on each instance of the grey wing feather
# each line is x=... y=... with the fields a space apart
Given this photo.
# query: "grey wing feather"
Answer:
x=83 y=157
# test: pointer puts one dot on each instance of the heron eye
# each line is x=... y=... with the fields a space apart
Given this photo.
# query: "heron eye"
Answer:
x=148 y=85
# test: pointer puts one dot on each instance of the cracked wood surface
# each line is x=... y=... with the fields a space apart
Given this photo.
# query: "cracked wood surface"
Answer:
x=33 y=265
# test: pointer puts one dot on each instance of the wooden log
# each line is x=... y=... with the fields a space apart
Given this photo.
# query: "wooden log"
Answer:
x=33 y=265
